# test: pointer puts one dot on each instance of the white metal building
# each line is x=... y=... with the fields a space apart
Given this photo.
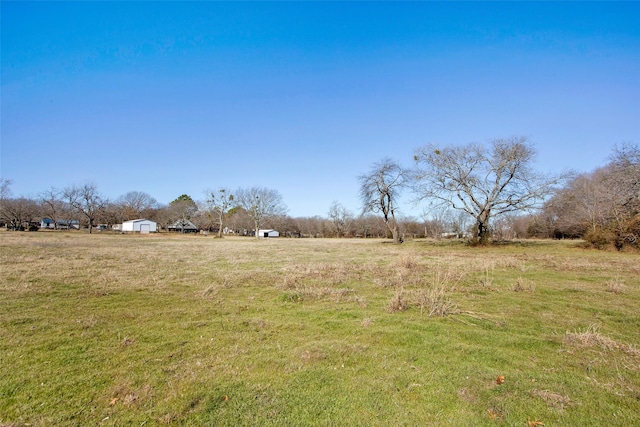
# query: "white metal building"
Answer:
x=139 y=226
x=268 y=233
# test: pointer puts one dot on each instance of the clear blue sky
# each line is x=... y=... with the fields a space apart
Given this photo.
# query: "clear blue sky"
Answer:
x=172 y=98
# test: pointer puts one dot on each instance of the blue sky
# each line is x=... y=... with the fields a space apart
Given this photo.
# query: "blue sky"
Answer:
x=172 y=98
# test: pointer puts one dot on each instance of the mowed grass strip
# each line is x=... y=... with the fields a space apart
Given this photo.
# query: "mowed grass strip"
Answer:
x=109 y=329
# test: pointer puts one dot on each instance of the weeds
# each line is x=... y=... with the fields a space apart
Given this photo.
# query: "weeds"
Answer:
x=435 y=301
x=615 y=285
x=523 y=285
x=591 y=337
x=398 y=301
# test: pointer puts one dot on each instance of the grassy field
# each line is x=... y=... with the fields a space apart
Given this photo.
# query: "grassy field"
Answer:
x=108 y=329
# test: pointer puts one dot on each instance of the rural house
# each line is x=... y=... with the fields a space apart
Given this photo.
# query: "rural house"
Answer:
x=183 y=226
x=61 y=224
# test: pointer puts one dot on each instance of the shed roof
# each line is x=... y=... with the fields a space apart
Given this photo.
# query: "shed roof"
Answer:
x=138 y=220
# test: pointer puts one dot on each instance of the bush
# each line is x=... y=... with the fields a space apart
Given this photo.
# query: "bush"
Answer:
x=621 y=235
x=599 y=238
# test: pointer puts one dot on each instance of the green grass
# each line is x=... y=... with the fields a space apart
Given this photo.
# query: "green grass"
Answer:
x=110 y=329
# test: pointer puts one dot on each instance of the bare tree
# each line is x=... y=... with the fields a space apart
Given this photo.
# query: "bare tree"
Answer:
x=5 y=194
x=219 y=202
x=340 y=218
x=261 y=204
x=436 y=221
x=239 y=220
x=624 y=178
x=368 y=225
x=136 y=204
x=602 y=206
x=87 y=201
x=53 y=205
x=312 y=226
x=19 y=213
x=5 y=188
x=485 y=182
x=379 y=190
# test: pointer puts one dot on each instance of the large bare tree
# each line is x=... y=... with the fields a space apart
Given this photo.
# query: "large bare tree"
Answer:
x=261 y=204
x=379 y=190
x=136 y=204
x=484 y=181
x=219 y=202
x=87 y=201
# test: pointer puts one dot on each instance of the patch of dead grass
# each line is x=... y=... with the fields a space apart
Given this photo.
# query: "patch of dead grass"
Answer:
x=615 y=285
x=590 y=337
x=553 y=400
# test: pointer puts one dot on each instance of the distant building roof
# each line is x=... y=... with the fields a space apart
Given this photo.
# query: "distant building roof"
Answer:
x=183 y=225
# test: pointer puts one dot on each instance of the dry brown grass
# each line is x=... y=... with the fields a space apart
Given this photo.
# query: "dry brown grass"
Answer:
x=591 y=337
x=615 y=285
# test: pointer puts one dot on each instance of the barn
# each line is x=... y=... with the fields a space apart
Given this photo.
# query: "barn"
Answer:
x=139 y=226
x=266 y=234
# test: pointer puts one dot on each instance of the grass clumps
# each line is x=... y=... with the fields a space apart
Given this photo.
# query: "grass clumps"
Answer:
x=591 y=337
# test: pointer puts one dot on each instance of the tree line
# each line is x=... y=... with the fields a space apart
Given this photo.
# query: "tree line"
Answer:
x=480 y=192
x=241 y=211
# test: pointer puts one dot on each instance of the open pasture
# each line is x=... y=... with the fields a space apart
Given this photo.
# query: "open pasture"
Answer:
x=108 y=329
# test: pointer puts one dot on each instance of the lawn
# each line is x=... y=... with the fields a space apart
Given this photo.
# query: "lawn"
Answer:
x=110 y=329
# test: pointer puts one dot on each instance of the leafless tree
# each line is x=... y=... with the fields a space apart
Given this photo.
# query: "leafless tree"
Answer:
x=53 y=205
x=485 y=182
x=368 y=225
x=437 y=221
x=87 y=201
x=379 y=190
x=219 y=202
x=5 y=188
x=624 y=179
x=5 y=194
x=340 y=218
x=602 y=206
x=315 y=226
x=136 y=204
x=261 y=204
x=19 y=213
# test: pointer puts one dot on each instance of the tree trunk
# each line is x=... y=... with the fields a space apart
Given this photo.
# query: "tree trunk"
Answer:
x=393 y=228
x=396 y=236
x=483 y=231
x=483 y=227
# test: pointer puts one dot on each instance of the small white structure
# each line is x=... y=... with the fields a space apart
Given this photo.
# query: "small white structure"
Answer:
x=139 y=226
x=266 y=234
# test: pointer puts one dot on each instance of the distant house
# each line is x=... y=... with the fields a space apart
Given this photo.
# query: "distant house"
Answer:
x=183 y=226
x=61 y=224
x=266 y=234
x=139 y=226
